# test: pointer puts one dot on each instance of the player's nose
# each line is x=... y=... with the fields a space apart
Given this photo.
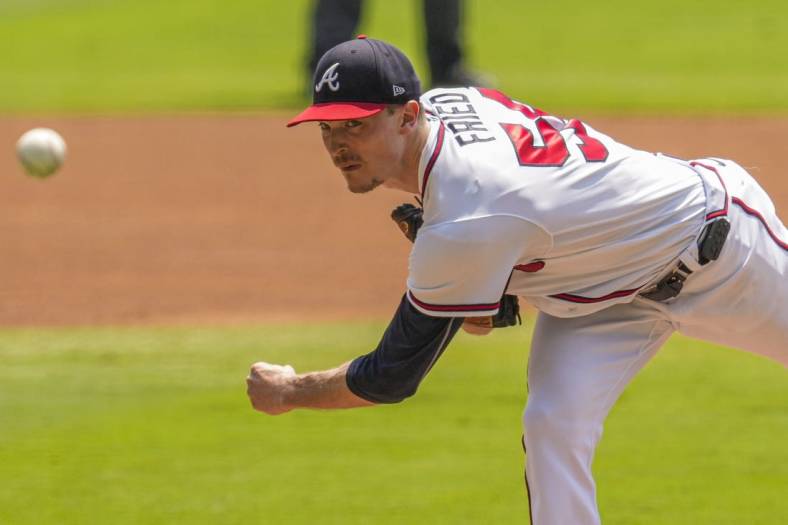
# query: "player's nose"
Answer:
x=336 y=143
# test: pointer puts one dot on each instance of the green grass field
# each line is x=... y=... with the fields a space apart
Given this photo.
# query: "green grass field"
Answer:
x=152 y=425
x=130 y=56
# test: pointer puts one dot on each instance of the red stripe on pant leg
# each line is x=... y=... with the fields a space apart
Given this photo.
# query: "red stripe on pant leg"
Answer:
x=723 y=211
x=754 y=213
x=527 y=486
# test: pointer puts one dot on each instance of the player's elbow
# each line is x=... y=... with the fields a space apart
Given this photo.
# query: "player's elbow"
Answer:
x=383 y=391
x=401 y=394
x=391 y=396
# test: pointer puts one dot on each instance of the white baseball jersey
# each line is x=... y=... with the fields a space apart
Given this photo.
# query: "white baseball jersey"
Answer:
x=549 y=209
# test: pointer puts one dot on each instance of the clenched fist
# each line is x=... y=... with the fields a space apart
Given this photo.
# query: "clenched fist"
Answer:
x=267 y=385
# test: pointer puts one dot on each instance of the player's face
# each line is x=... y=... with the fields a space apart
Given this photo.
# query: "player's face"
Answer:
x=368 y=151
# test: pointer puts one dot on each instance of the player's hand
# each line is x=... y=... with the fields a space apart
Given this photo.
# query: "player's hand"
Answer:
x=477 y=325
x=266 y=387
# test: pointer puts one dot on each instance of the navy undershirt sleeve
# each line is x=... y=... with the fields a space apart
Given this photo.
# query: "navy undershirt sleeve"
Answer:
x=411 y=345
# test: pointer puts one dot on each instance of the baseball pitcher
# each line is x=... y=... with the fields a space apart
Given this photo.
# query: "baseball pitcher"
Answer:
x=617 y=248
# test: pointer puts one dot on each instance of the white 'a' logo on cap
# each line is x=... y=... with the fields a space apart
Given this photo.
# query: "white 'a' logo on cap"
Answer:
x=330 y=78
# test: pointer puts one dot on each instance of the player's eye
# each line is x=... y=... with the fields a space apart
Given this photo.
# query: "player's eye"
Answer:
x=324 y=126
x=352 y=123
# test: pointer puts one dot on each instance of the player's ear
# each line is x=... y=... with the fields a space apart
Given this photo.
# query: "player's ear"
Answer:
x=411 y=111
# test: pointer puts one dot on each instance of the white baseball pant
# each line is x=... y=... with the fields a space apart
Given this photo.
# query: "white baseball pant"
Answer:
x=579 y=366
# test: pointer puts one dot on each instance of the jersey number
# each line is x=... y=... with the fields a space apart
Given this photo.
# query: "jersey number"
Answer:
x=553 y=152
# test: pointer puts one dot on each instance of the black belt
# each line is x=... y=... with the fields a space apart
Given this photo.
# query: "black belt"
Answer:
x=710 y=244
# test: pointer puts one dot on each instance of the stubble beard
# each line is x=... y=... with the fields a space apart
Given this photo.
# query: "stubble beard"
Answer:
x=363 y=187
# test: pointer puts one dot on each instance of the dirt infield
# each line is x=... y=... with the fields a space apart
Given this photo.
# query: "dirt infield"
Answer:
x=235 y=219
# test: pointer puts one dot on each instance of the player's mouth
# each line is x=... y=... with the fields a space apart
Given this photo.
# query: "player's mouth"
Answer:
x=347 y=162
x=349 y=167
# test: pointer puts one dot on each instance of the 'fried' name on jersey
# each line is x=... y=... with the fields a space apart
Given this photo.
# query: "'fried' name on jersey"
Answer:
x=457 y=113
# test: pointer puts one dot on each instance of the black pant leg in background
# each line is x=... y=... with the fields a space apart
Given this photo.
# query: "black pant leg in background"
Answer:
x=333 y=22
x=444 y=52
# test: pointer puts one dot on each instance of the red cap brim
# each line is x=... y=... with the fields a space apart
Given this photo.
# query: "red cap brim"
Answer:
x=337 y=111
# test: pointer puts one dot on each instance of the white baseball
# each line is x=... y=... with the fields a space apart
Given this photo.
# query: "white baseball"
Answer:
x=41 y=151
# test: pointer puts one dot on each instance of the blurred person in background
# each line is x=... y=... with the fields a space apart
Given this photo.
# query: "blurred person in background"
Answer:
x=336 y=21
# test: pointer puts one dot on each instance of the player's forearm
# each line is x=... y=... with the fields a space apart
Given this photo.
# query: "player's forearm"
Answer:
x=325 y=389
x=276 y=389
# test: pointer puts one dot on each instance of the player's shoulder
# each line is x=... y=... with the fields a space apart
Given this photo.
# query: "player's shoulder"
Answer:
x=444 y=98
x=462 y=267
x=454 y=100
x=456 y=94
x=473 y=232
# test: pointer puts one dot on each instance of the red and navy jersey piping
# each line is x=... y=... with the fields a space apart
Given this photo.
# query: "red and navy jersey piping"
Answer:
x=459 y=308
x=587 y=300
x=433 y=158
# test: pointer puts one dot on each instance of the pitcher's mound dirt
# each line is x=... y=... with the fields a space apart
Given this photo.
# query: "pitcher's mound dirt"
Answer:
x=237 y=219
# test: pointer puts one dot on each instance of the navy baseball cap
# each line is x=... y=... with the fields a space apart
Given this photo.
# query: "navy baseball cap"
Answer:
x=357 y=79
